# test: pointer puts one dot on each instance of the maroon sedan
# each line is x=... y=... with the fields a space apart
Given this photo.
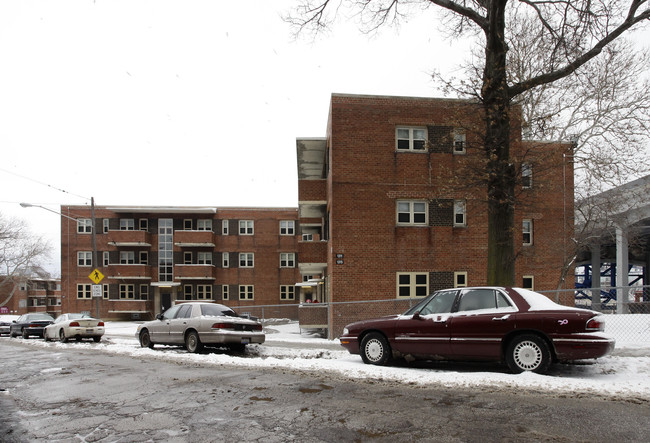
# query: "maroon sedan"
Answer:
x=522 y=328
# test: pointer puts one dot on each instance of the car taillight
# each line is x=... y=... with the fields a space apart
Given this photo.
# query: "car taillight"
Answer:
x=595 y=324
x=101 y=323
x=223 y=326
x=74 y=324
x=256 y=327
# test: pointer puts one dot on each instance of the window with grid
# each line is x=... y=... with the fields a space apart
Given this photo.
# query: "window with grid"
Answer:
x=225 y=260
x=204 y=225
x=84 y=291
x=246 y=227
x=224 y=227
x=526 y=176
x=106 y=225
x=412 y=212
x=127 y=292
x=143 y=224
x=144 y=257
x=527 y=228
x=459 y=142
x=204 y=292
x=144 y=292
x=225 y=292
x=411 y=139
x=84 y=226
x=287 y=227
x=246 y=292
x=187 y=258
x=412 y=284
x=287 y=292
x=84 y=258
x=287 y=260
x=246 y=259
x=204 y=258
x=127 y=257
x=127 y=224
x=187 y=292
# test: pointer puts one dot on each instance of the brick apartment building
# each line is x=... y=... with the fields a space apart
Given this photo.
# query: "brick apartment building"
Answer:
x=153 y=257
x=26 y=295
x=393 y=201
x=391 y=207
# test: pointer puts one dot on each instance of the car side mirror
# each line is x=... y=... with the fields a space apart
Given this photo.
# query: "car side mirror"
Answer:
x=416 y=316
x=159 y=316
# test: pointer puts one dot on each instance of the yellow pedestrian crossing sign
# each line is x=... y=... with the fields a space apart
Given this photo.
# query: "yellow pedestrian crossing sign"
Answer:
x=96 y=276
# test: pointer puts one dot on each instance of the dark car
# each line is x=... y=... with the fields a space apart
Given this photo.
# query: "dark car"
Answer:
x=5 y=323
x=522 y=328
x=30 y=324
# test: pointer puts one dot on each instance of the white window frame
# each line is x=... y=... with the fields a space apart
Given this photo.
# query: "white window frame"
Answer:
x=411 y=138
x=457 y=279
x=225 y=292
x=143 y=257
x=287 y=227
x=84 y=258
x=287 y=292
x=413 y=285
x=287 y=259
x=412 y=212
x=84 y=291
x=526 y=176
x=460 y=211
x=144 y=289
x=106 y=258
x=84 y=226
x=246 y=227
x=532 y=282
x=204 y=292
x=225 y=259
x=127 y=291
x=187 y=257
x=246 y=292
x=224 y=227
x=248 y=258
x=187 y=224
x=105 y=291
x=106 y=225
x=127 y=224
x=127 y=257
x=527 y=231
x=204 y=258
x=460 y=143
x=307 y=237
x=204 y=224
x=143 y=224
x=187 y=292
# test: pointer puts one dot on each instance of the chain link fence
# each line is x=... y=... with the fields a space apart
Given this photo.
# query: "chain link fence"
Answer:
x=628 y=321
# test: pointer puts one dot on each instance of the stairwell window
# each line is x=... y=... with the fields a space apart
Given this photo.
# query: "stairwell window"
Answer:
x=527 y=228
x=412 y=212
x=526 y=176
x=460 y=213
x=459 y=142
x=411 y=139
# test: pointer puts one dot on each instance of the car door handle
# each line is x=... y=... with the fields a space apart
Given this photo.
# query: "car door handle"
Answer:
x=504 y=318
x=440 y=320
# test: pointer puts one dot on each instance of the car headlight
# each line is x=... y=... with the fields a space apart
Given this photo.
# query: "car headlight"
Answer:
x=345 y=331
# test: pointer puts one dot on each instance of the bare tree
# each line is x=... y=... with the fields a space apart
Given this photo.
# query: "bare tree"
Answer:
x=20 y=256
x=574 y=32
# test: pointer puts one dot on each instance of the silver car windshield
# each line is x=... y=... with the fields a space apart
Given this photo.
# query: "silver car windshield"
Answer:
x=217 y=310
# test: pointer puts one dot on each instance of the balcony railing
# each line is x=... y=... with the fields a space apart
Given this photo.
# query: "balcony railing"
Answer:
x=194 y=238
x=194 y=272
x=129 y=238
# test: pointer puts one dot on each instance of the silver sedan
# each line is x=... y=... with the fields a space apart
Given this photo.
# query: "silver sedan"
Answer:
x=74 y=325
x=196 y=324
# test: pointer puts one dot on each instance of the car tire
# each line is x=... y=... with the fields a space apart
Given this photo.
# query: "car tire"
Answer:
x=12 y=335
x=528 y=353
x=145 y=339
x=45 y=337
x=192 y=342
x=62 y=337
x=239 y=348
x=25 y=334
x=97 y=339
x=375 y=349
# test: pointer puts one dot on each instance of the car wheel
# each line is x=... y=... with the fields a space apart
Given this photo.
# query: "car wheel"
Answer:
x=528 y=353
x=192 y=342
x=62 y=337
x=12 y=335
x=375 y=349
x=237 y=347
x=25 y=334
x=45 y=337
x=145 y=339
x=97 y=339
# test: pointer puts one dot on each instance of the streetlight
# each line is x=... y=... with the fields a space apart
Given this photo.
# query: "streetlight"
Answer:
x=95 y=263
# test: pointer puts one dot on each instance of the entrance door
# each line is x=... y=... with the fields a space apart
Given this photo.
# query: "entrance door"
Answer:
x=165 y=300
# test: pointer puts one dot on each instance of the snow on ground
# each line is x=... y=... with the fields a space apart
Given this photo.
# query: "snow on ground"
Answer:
x=625 y=373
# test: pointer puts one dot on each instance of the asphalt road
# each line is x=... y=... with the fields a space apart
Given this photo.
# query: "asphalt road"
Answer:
x=82 y=395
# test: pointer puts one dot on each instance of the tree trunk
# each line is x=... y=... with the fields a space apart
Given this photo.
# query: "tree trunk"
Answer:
x=500 y=172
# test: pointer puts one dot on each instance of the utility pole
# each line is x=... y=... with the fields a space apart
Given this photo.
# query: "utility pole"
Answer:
x=94 y=240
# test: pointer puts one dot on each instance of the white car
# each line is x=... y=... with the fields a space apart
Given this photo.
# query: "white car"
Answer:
x=77 y=326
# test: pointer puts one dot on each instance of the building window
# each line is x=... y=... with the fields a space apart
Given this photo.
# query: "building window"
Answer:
x=287 y=292
x=144 y=257
x=144 y=224
x=204 y=225
x=225 y=260
x=204 y=258
x=528 y=282
x=127 y=257
x=166 y=249
x=127 y=224
x=307 y=237
x=106 y=258
x=459 y=142
x=204 y=292
x=412 y=212
x=187 y=292
x=526 y=176
x=412 y=284
x=187 y=224
x=460 y=279
x=84 y=291
x=287 y=227
x=225 y=292
x=105 y=291
x=127 y=292
x=224 y=227
x=245 y=227
x=144 y=292
x=411 y=139
x=105 y=224
x=460 y=209
x=187 y=258
x=84 y=226
x=84 y=258
x=528 y=232
x=246 y=292
x=246 y=260
x=287 y=260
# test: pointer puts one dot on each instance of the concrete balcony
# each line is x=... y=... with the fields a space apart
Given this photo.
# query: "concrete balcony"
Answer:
x=193 y=239
x=194 y=272
x=312 y=251
x=129 y=238
x=133 y=272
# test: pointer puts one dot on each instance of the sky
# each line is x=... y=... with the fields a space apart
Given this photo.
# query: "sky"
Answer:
x=179 y=102
x=624 y=374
